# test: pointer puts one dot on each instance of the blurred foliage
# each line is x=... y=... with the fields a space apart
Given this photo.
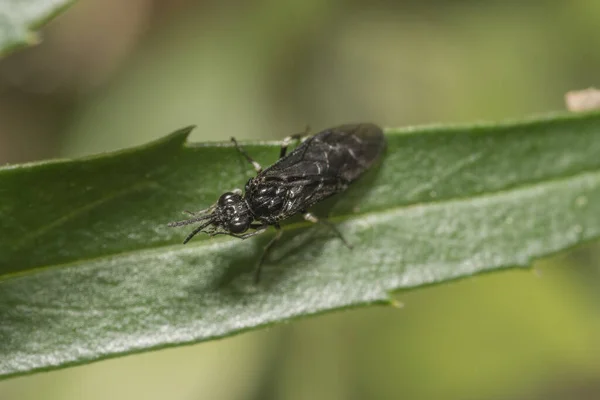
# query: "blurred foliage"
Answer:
x=18 y=19
x=263 y=70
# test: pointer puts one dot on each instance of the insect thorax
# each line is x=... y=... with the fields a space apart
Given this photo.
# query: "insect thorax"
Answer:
x=269 y=201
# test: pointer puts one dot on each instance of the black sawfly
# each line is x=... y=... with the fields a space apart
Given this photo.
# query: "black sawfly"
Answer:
x=321 y=166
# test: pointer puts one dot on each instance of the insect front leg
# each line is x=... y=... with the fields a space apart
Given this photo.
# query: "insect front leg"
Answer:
x=260 y=228
x=296 y=137
x=256 y=165
x=266 y=251
x=312 y=218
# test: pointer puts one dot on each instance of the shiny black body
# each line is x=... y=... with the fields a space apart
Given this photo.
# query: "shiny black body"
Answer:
x=321 y=166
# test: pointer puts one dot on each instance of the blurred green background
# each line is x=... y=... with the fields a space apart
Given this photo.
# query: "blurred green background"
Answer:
x=111 y=74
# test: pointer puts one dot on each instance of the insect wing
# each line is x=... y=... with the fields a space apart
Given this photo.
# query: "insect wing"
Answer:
x=338 y=154
x=304 y=194
x=325 y=164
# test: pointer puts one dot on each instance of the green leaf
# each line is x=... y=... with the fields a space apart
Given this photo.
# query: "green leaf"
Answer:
x=19 y=19
x=89 y=269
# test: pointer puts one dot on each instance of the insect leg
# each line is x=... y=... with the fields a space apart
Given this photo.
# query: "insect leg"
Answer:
x=260 y=228
x=256 y=165
x=312 y=218
x=268 y=247
x=295 y=137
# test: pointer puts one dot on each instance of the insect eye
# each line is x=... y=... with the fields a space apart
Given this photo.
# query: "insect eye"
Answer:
x=239 y=225
x=227 y=199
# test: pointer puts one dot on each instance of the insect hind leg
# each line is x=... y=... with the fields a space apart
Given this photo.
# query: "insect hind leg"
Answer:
x=292 y=138
x=312 y=218
x=255 y=164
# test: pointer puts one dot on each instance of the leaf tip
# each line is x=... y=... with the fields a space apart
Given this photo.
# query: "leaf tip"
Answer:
x=179 y=137
x=395 y=303
x=32 y=38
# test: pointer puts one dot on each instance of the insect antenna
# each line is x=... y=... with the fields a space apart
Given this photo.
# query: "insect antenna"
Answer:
x=196 y=231
x=189 y=221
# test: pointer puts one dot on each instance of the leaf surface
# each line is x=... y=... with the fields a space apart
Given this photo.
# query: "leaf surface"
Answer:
x=89 y=269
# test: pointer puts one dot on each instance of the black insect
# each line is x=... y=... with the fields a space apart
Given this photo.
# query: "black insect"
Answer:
x=322 y=165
